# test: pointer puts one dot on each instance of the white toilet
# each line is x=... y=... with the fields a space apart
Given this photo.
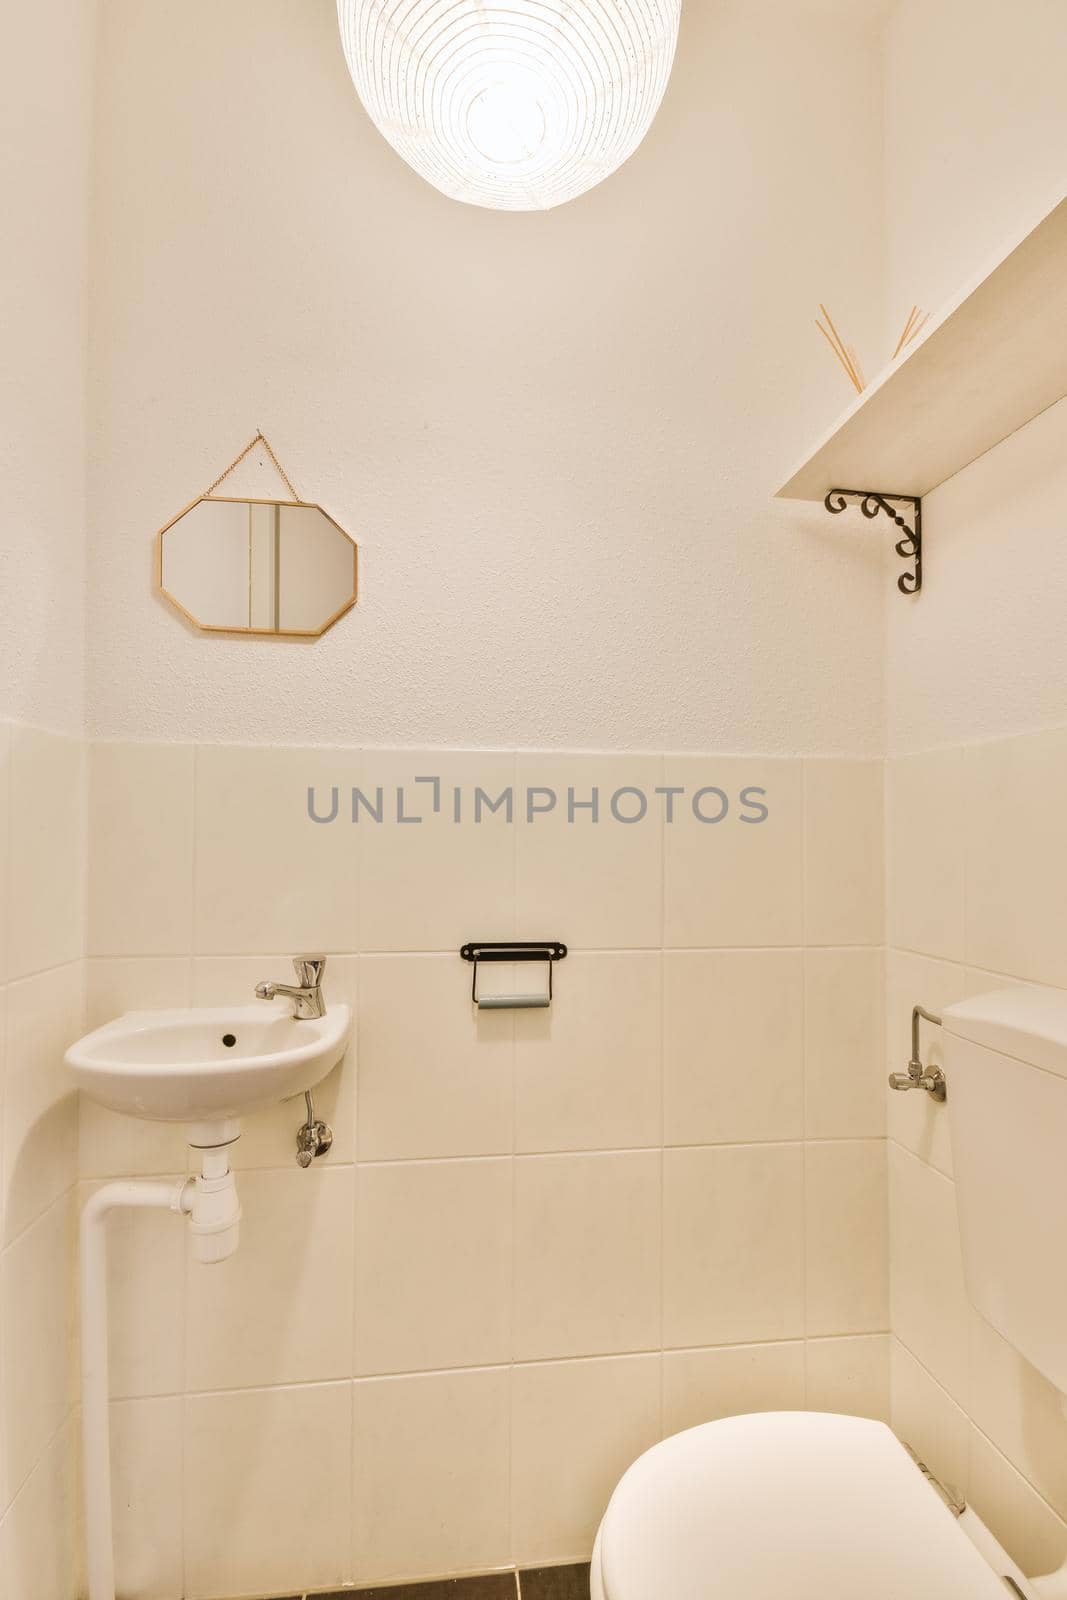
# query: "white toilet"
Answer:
x=810 y=1506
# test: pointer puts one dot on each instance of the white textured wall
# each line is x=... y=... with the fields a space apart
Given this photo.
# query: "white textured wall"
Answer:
x=975 y=124
x=556 y=436
x=44 y=173
x=976 y=148
x=984 y=651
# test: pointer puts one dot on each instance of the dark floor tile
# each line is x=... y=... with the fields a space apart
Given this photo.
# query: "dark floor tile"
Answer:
x=494 y=1586
x=556 y=1583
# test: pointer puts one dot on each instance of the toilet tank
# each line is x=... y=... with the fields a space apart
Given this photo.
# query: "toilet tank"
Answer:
x=1006 y=1068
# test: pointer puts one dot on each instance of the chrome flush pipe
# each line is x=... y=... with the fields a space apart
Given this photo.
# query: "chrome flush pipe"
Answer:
x=932 y=1079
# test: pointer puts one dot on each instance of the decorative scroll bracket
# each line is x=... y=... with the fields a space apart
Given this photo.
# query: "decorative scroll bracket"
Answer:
x=908 y=548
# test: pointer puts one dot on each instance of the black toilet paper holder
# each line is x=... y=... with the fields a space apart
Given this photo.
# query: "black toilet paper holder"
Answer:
x=548 y=950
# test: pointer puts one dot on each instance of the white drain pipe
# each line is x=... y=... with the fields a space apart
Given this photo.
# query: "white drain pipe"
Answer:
x=214 y=1212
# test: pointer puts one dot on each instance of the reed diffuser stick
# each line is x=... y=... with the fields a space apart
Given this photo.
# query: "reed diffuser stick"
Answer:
x=917 y=320
x=837 y=345
x=902 y=341
x=857 y=369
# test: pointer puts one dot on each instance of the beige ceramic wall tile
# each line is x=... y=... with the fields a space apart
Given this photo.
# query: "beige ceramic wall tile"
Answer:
x=929 y=1308
x=36 y=1371
x=735 y=882
x=40 y=1127
x=433 y=884
x=843 y=851
x=733 y=1244
x=5 y=820
x=847 y=1280
x=734 y=1380
x=39 y=1554
x=1020 y=1412
x=114 y=1146
x=587 y=1254
x=141 y=849
x=587 y=1070
x=267 y=876
x=280 y=1310
x=844 y=1061
x=927 y=801
x=733 y=1046
x=267 y=1502
x=1016 y=863
x=110 y=1145
x=431 y=1475
x=576 y=1426
x=435 y=1074
x=433 y=1265
x=915 y=1120
x=593 y=884
x=849 y=1376
x=146 y=1455
x=928 y=1419
x=1028 y=1528
x=268 y=1136
x=131 y=984
x=3 y=1069
x=46 y=879
x=146 y=1264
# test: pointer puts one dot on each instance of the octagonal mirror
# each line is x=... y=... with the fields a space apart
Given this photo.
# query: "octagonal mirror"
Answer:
x=269 y=567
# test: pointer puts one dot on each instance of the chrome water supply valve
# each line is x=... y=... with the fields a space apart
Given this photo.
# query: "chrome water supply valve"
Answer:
x=932 y=1079
x=313 y=1138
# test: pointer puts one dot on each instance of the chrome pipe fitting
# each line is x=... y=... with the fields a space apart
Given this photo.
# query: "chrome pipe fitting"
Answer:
x=314 y=1137
x=932 y=1079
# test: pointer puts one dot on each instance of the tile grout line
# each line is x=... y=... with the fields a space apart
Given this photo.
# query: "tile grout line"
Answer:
x=804 y=920
x=514 y=1202
x=662 y=1031
x=422 y=952
x=352 y=1346
x=190 y=978
x=501 y=1366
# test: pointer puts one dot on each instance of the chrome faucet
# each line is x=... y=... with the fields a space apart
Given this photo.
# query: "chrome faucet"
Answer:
x=306 y=995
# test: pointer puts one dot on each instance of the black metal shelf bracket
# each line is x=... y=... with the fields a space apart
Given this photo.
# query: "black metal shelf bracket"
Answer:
x=910 y=546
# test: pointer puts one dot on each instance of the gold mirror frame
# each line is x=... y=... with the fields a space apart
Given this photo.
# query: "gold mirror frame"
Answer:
x=295 y=500
x=261 y=633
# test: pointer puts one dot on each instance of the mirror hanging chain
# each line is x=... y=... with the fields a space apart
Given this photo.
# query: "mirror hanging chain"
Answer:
x=258 y=438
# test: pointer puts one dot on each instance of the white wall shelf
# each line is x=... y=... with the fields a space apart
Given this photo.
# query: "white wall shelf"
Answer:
x=994 y=358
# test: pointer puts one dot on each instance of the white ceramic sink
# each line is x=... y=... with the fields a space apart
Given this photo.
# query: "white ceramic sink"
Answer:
x=207 y=1065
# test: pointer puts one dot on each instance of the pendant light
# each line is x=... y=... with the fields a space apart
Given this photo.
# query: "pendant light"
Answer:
x=519 y=105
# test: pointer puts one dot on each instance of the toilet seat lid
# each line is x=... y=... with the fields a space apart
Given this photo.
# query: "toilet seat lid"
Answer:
x=785 y=1506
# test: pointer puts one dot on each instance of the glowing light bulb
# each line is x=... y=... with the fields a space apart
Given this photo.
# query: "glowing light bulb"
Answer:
x=507 y=124
x=520 y=104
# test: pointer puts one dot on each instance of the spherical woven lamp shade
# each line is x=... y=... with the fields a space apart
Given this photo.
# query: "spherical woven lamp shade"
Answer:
x=520 y=104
